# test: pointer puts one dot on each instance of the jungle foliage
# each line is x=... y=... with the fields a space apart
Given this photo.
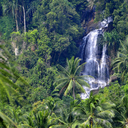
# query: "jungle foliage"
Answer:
x=36 y=38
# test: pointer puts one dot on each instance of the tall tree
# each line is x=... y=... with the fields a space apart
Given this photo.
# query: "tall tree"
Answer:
x=67 y=119
x=12 y=8
x=62 y=22
x=70 y=77
x=28 y=7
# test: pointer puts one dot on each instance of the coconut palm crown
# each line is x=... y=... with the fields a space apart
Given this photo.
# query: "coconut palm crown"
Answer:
x=70 y=78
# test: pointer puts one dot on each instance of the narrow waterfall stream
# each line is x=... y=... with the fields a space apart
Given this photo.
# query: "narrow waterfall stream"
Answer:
x=93 y=52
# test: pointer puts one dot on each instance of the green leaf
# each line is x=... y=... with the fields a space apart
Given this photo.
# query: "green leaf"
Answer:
x=69 y=87
x=79 y=87
x=7 y=120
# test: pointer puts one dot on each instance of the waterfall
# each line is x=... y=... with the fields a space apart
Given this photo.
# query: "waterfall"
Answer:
x=94 y=53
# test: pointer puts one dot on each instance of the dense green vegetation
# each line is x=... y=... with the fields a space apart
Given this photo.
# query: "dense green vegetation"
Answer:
x=38 y=87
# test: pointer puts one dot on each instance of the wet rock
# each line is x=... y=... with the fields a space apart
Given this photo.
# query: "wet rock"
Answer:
x=113 y=79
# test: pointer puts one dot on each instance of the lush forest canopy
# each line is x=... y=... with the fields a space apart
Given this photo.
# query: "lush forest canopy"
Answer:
x=40 y=82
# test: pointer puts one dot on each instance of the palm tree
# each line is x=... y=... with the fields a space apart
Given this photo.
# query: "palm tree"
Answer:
x=29 y=9
x=70 y=77
x=15 y=121
x=53 y=105
x=67 y=119
x=16 y=7
x=40 y=119
x=122 y=112
x=93 y=113
x=12 y=7
x=121 y=61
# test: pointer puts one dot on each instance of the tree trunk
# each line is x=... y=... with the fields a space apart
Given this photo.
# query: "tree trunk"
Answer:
x=58 y=57
x=24 y=19
x=73 y=90
x=17 y=27
x=24 y=44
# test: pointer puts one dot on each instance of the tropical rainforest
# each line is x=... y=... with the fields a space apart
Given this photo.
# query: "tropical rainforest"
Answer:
x=40 y=81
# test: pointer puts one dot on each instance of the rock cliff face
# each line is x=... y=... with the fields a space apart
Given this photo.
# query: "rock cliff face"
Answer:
x=112 y=79
x=88 y=20
x=90 y=26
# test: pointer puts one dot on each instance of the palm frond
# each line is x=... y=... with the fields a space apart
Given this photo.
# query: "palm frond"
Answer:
x=86 y=123
x=63 y=70
x=69 y=87
x=58 y=126
x=24 y=126
x=6 y=90
x=79 y=110
x=63 y=88
x=7 y=120
x=99 y=109
x=92 y=105
x=104 y=123
x=75 y=124
x=8 y=81
x=62 y=84
x=123 y=46
x=69 y=65
x=5 y=73
x=106 y=114
x=79 y=86
x=108 y=105
x=79 y=68
x=83 y=82
x=58 y=81
x=76 y=63
x=123 y=74
x=4 y=66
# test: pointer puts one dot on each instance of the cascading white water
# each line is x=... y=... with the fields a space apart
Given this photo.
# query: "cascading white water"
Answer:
x=94 y=54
